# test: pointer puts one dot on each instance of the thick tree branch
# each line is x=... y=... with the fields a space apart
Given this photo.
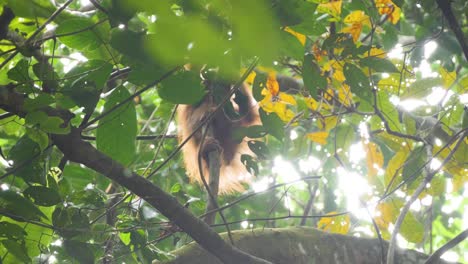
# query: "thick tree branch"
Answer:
x=444 y=5
x=302 y=245
x=80 y=151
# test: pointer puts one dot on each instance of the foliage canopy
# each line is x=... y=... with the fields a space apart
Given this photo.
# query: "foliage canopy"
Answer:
x=369 y=96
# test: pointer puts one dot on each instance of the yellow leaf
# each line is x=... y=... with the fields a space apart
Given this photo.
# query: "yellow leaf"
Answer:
x=250 y=79
x=338 y=74
x=357 y=17
x=447 y=77
x=286 y=98
x=332 y=8
x=376 y=52
x=456 y=166
x=336 y=68
x=354 y=30
x=344 y=95
x=318 y=137
x=279 y=108
x=311 y=103
x=459 y=179
x=337 y=224
x=299 y=36
x=272 y=84
x=395 y=167
x=387 y=7
x=388 y=211
x=284 y=114
x=374 y=159
x=327 y=123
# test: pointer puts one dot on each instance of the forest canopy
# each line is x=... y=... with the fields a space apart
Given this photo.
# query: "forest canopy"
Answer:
x=364 y=125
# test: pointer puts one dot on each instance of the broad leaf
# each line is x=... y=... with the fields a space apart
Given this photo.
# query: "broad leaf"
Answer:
x=17 y=207
x=116 y=132
x=378 y=64
x=272 y=124
x=42 y=195
x=311 y=74
x=182 y=88
x=358 y=82
x=80 y=251
x=414 y=165
x=25 y=159
x=79 y=33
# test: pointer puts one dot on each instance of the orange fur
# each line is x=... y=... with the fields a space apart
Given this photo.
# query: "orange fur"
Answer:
x=232 y=172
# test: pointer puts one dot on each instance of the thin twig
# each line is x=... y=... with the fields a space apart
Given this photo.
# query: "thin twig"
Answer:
x=128 y=99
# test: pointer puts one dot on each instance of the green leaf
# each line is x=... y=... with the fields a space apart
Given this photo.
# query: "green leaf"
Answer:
x=11 y=231
x=390 y=37
x=79 y=177
x=293 y=12
x=389 y=110
x=272 y=124
x=125 y=237
x=345 y=136
x=250 y=164
x=422 y=87
x=465 y=118
x=47 y=75
x=176 y=188
x=258 y=85
x=255 y=131
x=97 y=71
x=39 y=137
x=86 y=81
x=27 y=166
x=414 y=164
x=182 y=88
x=17 y=207
x=259 y=148
x=16 y=249
x=55 y=125
x=263 y=27
x=130 y=43
x=71 y=220
x=79 y=33
x=116 y=132
x=31 y=9
x=35 y=117
x=20 y=73
x=79 y=251
x=40 y=101
x=358 y=82
x=143 y=74
x=49 y=124
x=290 y=46
x=42 y=195
x=378 y=64
x=412 y=229
x=313 y=79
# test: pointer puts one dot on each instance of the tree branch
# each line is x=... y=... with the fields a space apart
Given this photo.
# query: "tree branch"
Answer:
x=435 y=257
x=444 y=5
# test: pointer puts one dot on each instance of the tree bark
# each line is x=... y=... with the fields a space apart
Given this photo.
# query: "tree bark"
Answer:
x=302 y=245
